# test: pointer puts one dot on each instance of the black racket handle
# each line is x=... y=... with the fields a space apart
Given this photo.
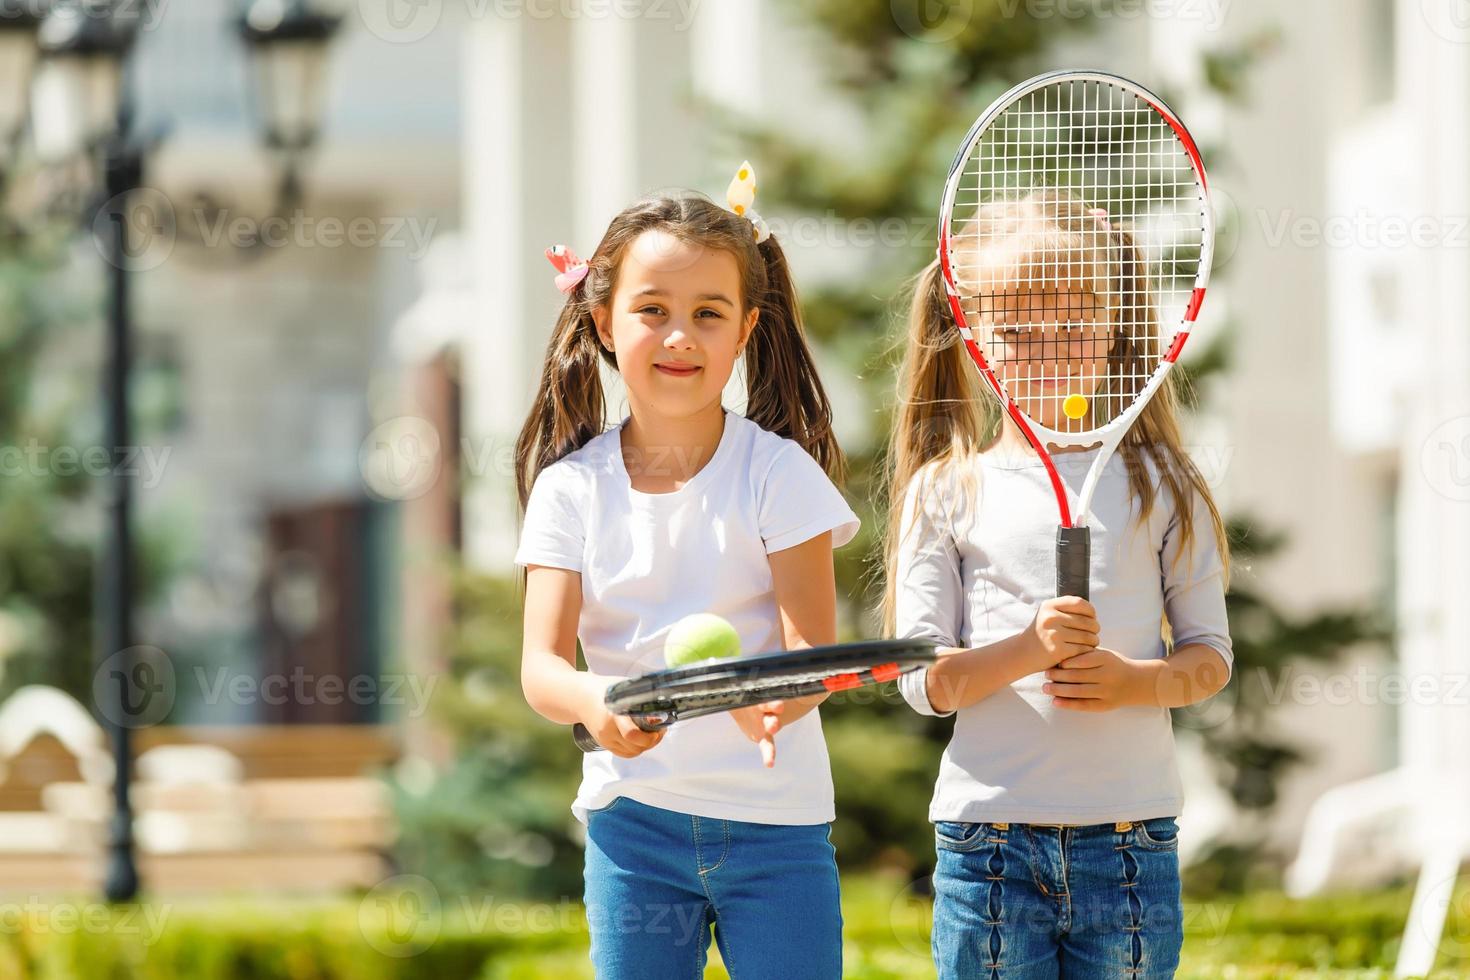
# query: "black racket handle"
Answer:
x=584 y=739
x=587 y=743
x=1074 y=560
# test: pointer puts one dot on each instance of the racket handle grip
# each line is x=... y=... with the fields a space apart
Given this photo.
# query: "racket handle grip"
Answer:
x=587 y=743
x=1074 y=561
x=584 y=738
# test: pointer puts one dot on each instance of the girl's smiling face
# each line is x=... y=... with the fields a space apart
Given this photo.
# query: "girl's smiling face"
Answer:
x=676 y=323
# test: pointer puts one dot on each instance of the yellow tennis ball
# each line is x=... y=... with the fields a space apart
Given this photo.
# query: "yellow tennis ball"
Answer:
x=702 y=636
x=1075 y=406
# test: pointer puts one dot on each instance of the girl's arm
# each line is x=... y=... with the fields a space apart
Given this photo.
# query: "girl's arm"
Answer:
x=1105 y=679
x=553 y=685
x=1192 y=673
x=1063 y=627
x=929 y=599
x=1202 y=659
x=806 y=595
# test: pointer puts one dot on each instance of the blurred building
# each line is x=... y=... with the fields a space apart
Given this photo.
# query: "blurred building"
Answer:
x=256 y=378
x=273 y=359
x=1286 y=463
x=600 y=112
x=512 y=133
x=322 y=399
x=1398 y=355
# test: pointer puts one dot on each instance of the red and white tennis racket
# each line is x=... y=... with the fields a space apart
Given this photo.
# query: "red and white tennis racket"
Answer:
x=1075 y=239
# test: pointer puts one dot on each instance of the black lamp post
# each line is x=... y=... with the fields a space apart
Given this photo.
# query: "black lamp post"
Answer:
x=80 y=107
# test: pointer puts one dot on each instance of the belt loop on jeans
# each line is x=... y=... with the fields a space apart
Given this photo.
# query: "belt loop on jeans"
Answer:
x=1002 y=826
x=1123 y=826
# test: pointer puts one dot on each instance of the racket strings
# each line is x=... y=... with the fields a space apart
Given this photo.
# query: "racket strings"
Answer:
x=1077 y=228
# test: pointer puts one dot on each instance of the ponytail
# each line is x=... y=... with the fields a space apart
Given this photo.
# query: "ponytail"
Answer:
x=784 y=392
x=943 y=414
x=569 y=409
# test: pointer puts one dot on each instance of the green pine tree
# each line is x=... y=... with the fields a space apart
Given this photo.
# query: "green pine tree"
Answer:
x=46 y=533
x=51 y=506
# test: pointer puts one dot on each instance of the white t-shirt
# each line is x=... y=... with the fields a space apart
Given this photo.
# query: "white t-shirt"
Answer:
x=979 y=562
x=649 y=559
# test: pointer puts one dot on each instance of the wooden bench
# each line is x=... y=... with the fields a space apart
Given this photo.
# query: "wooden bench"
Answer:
x=303 y=809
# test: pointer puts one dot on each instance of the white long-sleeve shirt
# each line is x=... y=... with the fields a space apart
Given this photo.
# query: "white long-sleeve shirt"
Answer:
x=975 y=562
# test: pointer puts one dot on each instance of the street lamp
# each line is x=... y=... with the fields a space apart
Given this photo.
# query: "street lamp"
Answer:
x=18 y=22
x=287 y=43
x=77 y=99
x=80 y=109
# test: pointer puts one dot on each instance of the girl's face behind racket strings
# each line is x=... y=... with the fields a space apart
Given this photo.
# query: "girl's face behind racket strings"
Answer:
x=1078 y=226
x=1059 y=306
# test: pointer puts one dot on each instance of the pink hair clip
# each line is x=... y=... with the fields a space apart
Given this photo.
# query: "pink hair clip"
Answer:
x=570 y=269
x=1101 y=214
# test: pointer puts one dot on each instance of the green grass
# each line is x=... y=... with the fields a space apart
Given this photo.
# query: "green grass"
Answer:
x=388 y=936
x=1252 y=938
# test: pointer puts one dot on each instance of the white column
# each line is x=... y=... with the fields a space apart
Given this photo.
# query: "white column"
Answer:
x=567 y=121
x=1434 y=474
x=633 y=130
x=729 y=54
x=517 y=174
x=604 y=164
x=1435 y=453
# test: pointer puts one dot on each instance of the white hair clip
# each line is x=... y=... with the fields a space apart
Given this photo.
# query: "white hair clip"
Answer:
x=739 y=197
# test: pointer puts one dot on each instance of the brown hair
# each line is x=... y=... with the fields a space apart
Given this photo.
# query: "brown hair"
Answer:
x=785 y=395
x=946 y=414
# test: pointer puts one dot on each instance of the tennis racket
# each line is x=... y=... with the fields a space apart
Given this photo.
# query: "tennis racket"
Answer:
x=655 y=701
x=1075 y=241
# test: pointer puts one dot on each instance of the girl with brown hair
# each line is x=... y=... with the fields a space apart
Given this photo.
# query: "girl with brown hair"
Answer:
x=686 y=507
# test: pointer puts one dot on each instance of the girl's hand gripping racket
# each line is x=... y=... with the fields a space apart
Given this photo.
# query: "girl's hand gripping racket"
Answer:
x=657 y=700
x=1075 y=241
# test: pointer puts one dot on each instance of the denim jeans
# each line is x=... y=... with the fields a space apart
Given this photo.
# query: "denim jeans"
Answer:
x=1031 y=901
x=657 y=880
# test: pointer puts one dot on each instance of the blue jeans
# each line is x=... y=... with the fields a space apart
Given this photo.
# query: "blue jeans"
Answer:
x=656 y=881
x=1032 y=901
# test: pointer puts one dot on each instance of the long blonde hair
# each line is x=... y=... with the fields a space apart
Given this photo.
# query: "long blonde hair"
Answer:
x=946 y=414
